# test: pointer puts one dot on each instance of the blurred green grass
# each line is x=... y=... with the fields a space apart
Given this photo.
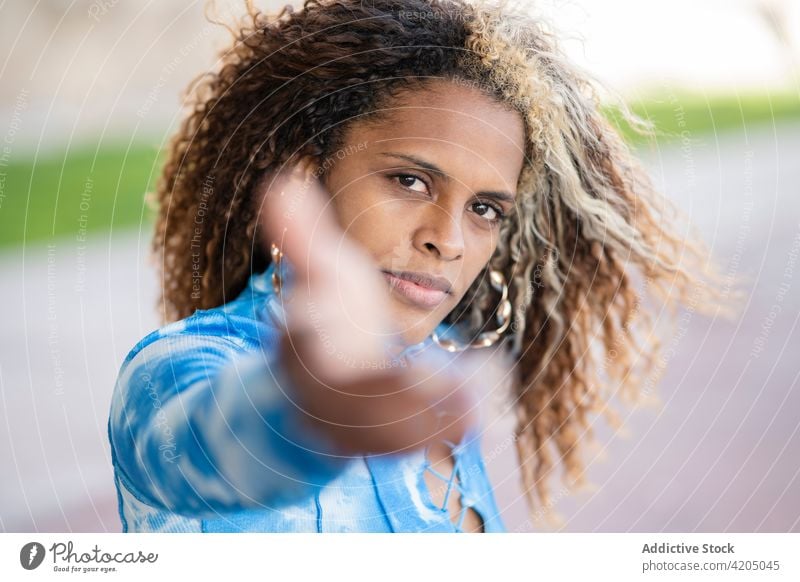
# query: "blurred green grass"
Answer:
x=91 y=189
x=75 y=193
x=687 y=115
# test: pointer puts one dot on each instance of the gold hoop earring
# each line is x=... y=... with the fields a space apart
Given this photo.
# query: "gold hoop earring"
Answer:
x=486 y=338
x=277 y=255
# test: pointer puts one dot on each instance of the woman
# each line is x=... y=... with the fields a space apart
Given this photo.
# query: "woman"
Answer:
x=367 y=200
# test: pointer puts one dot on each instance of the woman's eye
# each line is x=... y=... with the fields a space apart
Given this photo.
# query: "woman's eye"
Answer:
x=411 y=182
x=488 y=211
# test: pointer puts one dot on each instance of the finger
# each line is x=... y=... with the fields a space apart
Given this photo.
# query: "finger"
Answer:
x=296 y=215
x=411 y=411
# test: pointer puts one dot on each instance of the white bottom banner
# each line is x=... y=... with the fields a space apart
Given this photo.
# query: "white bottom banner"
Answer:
x=388 y=557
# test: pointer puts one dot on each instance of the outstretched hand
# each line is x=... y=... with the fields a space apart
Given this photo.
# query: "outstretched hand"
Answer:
x=337 y=343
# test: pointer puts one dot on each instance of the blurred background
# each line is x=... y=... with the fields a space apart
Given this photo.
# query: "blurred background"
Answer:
x=91 y=90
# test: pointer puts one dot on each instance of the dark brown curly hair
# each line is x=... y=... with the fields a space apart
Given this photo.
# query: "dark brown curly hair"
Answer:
x=588 y=220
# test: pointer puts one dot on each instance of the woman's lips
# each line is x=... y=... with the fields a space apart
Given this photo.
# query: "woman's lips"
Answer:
x=418 y=295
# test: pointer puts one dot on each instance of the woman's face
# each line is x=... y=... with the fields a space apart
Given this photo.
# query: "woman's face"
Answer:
x=424 y=190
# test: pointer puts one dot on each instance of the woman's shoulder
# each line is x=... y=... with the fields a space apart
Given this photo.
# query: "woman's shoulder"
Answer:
x=245 y=323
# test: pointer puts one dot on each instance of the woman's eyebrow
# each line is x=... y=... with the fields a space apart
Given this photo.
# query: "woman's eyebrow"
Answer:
x=499 y=196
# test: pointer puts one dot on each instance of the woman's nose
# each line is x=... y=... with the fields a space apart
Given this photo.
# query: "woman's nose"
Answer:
x=440 y=233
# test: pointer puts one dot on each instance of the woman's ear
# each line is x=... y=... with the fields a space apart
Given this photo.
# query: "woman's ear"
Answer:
x=304 y=162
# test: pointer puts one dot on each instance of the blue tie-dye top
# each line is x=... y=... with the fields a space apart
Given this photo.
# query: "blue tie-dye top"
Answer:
x=204 y=438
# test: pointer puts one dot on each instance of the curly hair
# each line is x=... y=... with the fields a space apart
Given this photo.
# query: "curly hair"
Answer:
x=589 y=221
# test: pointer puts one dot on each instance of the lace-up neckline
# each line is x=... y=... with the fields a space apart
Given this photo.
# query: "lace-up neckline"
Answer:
x=454 y=485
